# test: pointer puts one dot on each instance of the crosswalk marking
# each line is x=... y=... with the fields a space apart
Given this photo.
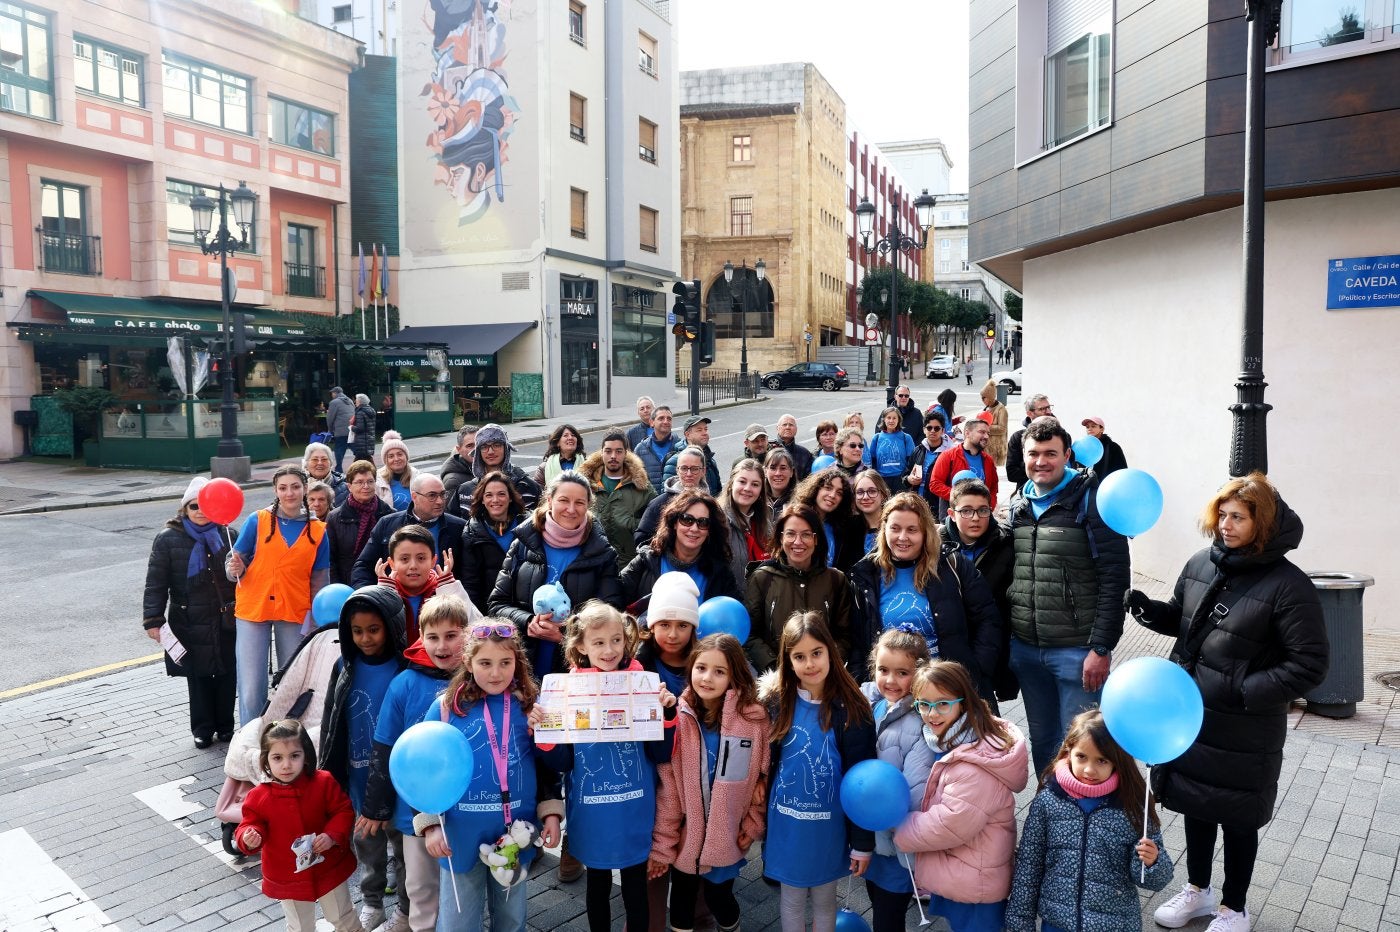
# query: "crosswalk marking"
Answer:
x=38 y=896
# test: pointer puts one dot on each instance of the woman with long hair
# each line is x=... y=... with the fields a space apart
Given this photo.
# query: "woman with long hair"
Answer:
x=495 y=510
x=745 y=510
x=396 y=475
x=692 y=538
x=830 y=494
x=779 y=479
x=563 y=451
x=871 y=493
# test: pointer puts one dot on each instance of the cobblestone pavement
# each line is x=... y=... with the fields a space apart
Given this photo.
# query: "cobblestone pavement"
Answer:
x=106 y=820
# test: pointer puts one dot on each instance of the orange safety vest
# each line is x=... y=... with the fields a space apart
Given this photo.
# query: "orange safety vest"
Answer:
x=276 y=586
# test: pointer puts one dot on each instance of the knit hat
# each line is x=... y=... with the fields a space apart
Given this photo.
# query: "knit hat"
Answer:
x=491 y=433
x=192 y=490
x=674 y=596
x=393 y=440
x=984 y=416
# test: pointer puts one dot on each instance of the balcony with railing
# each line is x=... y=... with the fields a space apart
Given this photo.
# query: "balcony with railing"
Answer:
x=69 y=253
x=305 y=281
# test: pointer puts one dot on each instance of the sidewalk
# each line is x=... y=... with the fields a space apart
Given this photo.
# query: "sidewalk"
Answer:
x=106 y=819
x=28 y=487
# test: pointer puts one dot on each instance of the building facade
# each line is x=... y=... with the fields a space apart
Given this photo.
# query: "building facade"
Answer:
x=538 y=185
x=923 y=163
x=373 y=22
x=1107 y=170
x=113 y=116
x=948 y=260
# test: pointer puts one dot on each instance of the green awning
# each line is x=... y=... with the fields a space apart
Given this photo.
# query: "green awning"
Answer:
x=144 y=316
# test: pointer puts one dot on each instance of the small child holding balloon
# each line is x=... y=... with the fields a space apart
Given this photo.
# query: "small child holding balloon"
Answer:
x=1092 y=802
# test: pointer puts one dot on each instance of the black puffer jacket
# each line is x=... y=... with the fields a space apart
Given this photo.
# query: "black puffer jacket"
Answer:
x=1249 y=629
x=194 y=606
x=342 y=525
x=454 y=472
x=993 y=557
x=449 y=537
x=482 y=557
x=640 y=575
x=363 y=422
x=592 y=575
x=1070 y=571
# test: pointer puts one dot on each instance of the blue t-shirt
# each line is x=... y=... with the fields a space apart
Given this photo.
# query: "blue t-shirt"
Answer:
x=610 y=801
x=872 y=536
x=889 y=453
x=369 y=682
x=889 y=873
x=400 y=493
x=901 y=601
x=806 y=844
x=976 y=465
x=830 y=543
x=291 y=529
x=479 y=817
x=673 y=678
x=729 y=872
x=410 y=695
x=693 y=571
x=557 y=560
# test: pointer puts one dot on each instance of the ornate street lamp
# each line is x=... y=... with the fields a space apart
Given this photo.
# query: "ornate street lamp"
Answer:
x=896 y=242
x=761 y=270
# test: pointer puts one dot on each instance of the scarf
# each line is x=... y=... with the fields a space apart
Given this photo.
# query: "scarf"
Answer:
x=212 y=542
x=367 y=512
x=1077 y=788
x=557 y=536
x=423 y=595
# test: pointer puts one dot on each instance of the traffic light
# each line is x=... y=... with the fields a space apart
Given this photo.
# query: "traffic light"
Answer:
x=707 y=342
x=991 y=325
x=241 y=322
x=687 y=310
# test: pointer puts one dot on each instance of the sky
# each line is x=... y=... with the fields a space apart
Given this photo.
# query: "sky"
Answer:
x=900 y=65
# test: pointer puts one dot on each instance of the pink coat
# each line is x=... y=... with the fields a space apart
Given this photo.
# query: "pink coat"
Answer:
x=964 y=837
x=685 y=836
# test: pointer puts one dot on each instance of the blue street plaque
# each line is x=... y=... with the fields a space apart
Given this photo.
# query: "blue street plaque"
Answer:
x=670 y=318
x=1369 y=281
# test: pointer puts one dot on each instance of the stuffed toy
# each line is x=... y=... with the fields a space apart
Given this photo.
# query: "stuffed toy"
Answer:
x=503 y=859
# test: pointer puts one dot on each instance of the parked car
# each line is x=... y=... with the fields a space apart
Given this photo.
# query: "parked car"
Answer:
x=944 y=367
x=1011 y=377
x=824 y=375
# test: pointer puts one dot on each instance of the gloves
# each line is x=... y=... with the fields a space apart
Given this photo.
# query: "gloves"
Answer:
x=1137 y=604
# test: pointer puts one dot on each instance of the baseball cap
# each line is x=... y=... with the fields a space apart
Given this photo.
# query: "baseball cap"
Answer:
x=985 y=417
x=1092 y=419
x=755 y=430
x=695 y=419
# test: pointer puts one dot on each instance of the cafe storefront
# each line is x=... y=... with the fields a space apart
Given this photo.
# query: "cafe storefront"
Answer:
x=473 y=385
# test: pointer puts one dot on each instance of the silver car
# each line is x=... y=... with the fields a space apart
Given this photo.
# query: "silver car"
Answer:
x=944 y=367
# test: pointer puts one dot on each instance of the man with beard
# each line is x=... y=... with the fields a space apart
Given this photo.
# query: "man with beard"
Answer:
x=971 y=455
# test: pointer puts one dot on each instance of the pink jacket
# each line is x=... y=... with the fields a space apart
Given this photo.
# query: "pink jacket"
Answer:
x=964 y=837
x=690 y=835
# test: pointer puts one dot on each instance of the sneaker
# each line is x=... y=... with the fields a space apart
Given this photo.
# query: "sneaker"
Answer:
x=371 y=917
x=1227 y=920
x=399 y=923
x=1191 y=903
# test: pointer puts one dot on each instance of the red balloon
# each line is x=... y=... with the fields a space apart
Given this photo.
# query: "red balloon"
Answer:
x=221 y=501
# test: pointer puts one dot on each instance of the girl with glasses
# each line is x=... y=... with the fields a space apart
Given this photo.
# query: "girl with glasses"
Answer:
x=871 y=493
x=692 y=537
x=963 y=837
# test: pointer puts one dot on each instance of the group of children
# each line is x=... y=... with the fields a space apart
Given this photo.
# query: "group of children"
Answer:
x=741 y=761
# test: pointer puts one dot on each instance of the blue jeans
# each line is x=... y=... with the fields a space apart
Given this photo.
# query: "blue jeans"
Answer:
x=342 y=443
x=1052 y=688
x=253 y=649
x=478 y=888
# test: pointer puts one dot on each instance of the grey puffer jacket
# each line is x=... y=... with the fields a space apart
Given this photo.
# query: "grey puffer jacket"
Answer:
x=1070 y=571
x=899 y=740
x=1078 y=870
x=338 y=415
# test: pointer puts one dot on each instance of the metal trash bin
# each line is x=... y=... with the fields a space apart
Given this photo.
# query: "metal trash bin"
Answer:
x=1003 y=392
x=1336 y=696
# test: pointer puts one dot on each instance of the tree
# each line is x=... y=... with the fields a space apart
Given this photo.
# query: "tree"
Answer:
x=1013 y=306
x=877 y=280
x=1349 y=29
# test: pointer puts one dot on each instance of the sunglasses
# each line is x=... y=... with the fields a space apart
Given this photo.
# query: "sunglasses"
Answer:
x=942 y=706
x=499 y=630
x=692 y=521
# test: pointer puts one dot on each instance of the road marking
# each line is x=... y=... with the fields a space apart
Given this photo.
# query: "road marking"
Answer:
x=80 y=675
x=169 y=802
x=38 y=896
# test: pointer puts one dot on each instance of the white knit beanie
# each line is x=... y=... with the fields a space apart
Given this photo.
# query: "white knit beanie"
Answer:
x=192 y=490
x=393 y=440
x=675 y=597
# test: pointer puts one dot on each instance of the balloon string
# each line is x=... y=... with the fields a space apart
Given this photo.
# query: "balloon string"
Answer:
x=1146 y=800
x=902 y=857
x=452 y=871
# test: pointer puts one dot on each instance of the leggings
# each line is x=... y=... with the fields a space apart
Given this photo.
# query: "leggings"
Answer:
x=1241 y=847
x=889 y=908
x=634 y=897
x=792 y=908
x=718 y=896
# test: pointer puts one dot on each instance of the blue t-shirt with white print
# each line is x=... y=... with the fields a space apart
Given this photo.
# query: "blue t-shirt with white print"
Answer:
x=369 y=684
x=806 y=844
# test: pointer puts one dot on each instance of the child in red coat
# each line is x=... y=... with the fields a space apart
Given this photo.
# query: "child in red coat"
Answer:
x=305 y=807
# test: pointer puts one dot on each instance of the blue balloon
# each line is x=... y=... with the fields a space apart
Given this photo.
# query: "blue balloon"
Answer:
x=1130 y=501
x=724 y=615
x=551 y=597
x=875 y=795
x=431 y=766
x=1152 y=708
x=325 y=608
x=847 y=921
x=1088 y=450
x=822 y=462
x=962 y=474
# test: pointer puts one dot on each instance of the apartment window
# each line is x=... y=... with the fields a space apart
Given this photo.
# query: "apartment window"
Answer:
x=639 y=332
x=646 y=140
x=743 y=148
x=305 y=279
x=179 y=221
x=578 y=115
x=647 y=236
x=206 y=94
x=64 y=244
x=26 y=61
x=578 y=213
x=576 y=21
x=107 y=71
x=945 y=249
x=646 y=53
x=341 y=14
x=741 y=216
x=293 y=124
x=1322 y=29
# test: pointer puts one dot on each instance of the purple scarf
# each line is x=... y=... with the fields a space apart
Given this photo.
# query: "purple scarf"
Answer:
x=367 y=514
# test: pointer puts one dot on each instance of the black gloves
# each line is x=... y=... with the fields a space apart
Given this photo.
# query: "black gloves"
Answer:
x=1137 y=604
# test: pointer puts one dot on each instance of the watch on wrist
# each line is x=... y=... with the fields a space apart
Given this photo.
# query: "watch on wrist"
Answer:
x=1101 y=651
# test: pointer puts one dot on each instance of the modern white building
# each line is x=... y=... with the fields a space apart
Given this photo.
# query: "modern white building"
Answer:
x=923 y=163
x=952 y=270
x=373 y=22
x=539 y=191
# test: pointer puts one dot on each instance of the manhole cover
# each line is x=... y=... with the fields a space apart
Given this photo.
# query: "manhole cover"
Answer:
x=1389 y=680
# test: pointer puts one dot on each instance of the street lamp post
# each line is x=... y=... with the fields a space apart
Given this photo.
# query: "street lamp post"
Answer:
x=229 y=461
x=760 y=270
x=896 y=242
x=871 y=320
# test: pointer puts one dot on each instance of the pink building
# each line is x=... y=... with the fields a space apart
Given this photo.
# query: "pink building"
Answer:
x=870 y=175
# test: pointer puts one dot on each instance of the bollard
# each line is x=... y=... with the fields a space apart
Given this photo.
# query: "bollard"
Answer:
x=1336 y=696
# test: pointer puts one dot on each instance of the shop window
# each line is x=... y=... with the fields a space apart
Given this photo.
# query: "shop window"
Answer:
x=648 y=221
x=26 y=61
x=64 y=243
x=206 y=94
x=108 y=71
x=179 y=221
x=639 y=333
x=301 y=127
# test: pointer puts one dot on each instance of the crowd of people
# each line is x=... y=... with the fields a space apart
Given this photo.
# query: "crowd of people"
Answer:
x=898 y=592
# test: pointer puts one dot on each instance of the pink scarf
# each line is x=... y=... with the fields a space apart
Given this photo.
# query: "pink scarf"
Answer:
x=1077 y=788
x=558 y=536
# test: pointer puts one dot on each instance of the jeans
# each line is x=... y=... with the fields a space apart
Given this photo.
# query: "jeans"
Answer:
x=477 y=889
x=372 y=851
x=1052 y=688
x=1241 y=849
x=342 y=444
x=254 y=647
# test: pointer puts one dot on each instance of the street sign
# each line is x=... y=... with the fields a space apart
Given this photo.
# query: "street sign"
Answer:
x=1369 y=281
x=872 y=336
x=670 y=318
x=988 y=341
x=807 y=336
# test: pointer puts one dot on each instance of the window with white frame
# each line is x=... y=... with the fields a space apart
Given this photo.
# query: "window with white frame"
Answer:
x=576 y=21
x=1078 y=80
x=207 y=94
x=1315 y=30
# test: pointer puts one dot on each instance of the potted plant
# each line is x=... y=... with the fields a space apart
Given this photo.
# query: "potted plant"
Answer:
x=86 y=404
x=501 y=409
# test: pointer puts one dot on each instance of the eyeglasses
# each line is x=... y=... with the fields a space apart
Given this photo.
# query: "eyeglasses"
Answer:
x=941 y=706
x=362 y=484
x=431 y=496
x=689 y=469
x=982 y=512
x=867 y=493
x=901 y=396
x=499 y=630
x=690 y=520
x=804 y=536
x=851 y=444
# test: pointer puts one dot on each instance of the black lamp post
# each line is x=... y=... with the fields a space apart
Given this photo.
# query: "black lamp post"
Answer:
x=896 y=242
x=223 y=243
x=761 y=270
x=1249 y=438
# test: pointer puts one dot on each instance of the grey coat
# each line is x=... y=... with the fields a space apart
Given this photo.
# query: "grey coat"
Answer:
x=338 y=415
x=899 y=740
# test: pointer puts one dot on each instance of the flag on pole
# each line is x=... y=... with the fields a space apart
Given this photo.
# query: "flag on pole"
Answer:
x=362 y=270
x=384 y=278
x=374 y=271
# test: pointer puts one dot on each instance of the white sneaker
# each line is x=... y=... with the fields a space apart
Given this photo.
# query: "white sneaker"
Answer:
x=371 y=917
x=1191 y=903
x=399 y=922
x=1227 y=920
